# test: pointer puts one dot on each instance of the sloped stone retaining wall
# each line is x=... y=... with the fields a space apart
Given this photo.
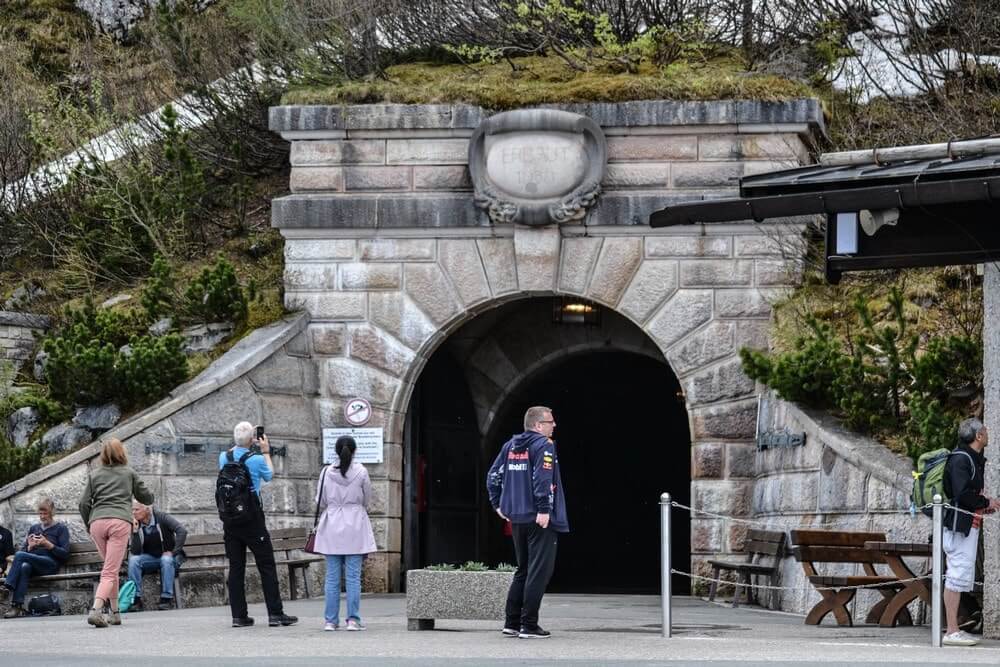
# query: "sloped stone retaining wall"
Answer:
x=836 y=481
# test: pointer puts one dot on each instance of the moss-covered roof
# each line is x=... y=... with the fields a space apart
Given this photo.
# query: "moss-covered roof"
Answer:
x=540 y=80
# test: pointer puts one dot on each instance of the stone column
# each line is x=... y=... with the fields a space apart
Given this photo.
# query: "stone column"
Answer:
x=991 y=382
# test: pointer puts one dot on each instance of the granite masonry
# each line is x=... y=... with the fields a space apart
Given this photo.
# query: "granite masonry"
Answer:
x=391 y=247
x=389 y=250
x=837 y=480
x=18 y=336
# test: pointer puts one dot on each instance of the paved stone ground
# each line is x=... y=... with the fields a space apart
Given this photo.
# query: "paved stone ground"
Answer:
x=587 y=630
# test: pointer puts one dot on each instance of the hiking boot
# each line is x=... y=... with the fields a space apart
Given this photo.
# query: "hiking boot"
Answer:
x=534 y=633
x=97 y=619
x=244 y=622
x=114 y=618
x=165 y=604
x=17 y=611
x=283 y=619
x=960 y=638
x=354 y=625
x=510 y=632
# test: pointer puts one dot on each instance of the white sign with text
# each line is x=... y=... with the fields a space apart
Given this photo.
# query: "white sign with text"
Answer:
x=369 y=444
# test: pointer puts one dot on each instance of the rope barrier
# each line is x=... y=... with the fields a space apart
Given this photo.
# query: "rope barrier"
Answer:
x=740 y=584
x=800 y=588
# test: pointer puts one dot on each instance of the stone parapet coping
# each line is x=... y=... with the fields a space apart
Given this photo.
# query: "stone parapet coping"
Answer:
x=861 y=451
x=10 y=318
x=242 y=358
x=319 y=121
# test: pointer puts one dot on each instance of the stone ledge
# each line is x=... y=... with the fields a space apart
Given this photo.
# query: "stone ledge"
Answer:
x=24 y=320
x=863 y=452
x=607 y=114
x=235 y=363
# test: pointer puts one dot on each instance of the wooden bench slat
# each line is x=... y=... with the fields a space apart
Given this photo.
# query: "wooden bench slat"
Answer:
x=851 y=580
x=828 y=554
x=756 y=568
x=834 y=538
x=769 y=548
x=757 y=535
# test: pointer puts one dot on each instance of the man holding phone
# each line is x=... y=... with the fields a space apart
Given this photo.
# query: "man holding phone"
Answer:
x=252 y=534
x=45 y=549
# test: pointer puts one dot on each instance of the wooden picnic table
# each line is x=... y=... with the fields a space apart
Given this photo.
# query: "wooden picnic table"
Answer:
x=893 y=553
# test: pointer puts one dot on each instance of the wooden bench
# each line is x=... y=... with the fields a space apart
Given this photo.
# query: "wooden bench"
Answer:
x=81 y=554
x=284 y=540
x=811 y=547
x=765 y=543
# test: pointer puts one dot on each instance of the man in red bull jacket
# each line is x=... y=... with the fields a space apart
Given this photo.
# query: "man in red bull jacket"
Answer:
x=525 y=488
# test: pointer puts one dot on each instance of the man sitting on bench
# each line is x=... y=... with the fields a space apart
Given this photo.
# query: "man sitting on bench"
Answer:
x=45 y=549
x=157 y=544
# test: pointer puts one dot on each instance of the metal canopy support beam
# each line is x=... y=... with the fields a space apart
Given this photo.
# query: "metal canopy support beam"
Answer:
x=915 y=195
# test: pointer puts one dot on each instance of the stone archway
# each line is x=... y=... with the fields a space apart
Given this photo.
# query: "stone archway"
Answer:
x=619 y=403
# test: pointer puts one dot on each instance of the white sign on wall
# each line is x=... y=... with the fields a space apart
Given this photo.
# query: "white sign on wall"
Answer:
x=369 y=444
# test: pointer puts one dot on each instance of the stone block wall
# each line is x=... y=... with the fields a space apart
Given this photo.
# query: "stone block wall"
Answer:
x=19 y=335
x=266 y=379
x=388 y=252
x=836 y=481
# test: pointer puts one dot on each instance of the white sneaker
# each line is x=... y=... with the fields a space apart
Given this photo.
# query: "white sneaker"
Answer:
x=329 y=627
x=354 y=626
x=960 y=638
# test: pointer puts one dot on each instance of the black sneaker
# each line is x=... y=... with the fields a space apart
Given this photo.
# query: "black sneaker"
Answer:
x=510 y=632
x=284 y=619
x=244 y=622
x=165 y=604
x=137 y=606
x=534 y=633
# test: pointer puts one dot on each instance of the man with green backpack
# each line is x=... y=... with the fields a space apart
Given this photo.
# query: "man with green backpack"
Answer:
x=963 y=480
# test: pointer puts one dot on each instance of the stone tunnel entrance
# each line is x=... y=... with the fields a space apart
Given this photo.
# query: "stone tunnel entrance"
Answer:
x=622 y=434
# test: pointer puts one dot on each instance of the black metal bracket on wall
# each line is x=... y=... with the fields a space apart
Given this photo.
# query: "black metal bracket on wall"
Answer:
x=779 y=439
x=204 y=446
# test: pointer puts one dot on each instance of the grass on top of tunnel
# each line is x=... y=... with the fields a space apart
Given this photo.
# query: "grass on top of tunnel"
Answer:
x=540 y=80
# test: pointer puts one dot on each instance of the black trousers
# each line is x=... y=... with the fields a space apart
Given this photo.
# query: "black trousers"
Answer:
x=535 y=548
x=252 y=535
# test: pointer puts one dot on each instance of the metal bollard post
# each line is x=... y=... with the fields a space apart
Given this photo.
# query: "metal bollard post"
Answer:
x=936 y=574
x=665 y=574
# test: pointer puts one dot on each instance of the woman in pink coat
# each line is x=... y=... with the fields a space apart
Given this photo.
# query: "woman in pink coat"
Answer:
x=344 y=533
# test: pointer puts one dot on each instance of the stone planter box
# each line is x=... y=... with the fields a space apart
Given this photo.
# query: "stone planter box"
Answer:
x=433 y=594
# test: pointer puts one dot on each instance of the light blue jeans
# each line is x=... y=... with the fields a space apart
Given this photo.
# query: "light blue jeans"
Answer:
x=145 y=564
x=352 y=572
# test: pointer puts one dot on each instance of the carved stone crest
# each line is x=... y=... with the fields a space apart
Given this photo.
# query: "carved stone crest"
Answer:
x=537 y=166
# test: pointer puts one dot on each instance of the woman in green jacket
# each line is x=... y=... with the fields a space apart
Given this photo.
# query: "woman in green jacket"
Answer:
x=106 y=508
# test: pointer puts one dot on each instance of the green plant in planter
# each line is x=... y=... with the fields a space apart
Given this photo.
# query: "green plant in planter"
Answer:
x=441 y=567
x=473 y=566
x=506 y=567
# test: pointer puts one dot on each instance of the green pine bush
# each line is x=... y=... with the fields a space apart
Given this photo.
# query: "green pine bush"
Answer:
x=16 y=462
x=882 y=383
x=158 y=294
x=216 y=295
x=155 y=366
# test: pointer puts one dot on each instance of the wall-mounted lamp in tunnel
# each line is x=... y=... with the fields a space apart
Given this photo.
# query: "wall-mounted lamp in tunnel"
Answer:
x=575 y=311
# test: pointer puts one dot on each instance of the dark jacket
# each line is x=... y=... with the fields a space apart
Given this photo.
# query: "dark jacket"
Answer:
x=964 y=478
x=169 y=536
x=524 y=481
x=57 y=534
x=6 y=547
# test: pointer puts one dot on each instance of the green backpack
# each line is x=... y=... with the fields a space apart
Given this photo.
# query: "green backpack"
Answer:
x=126 y=596
x=928 y=479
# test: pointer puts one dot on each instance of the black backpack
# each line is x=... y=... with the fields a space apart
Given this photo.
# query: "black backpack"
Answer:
x=234 y=495
x=45 y=605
